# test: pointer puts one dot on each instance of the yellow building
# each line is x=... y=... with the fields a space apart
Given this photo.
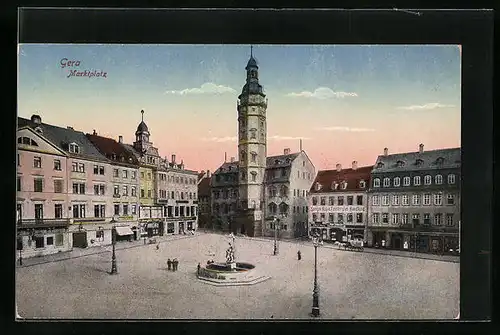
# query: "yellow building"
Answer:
x=146 y=185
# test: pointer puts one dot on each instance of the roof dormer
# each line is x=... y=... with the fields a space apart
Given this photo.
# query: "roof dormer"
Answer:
x=400 y=163
x=419 y=162
x=74 y=148
x=317 y=186
x=380 y=165
x=344 y=185
x=440 y=161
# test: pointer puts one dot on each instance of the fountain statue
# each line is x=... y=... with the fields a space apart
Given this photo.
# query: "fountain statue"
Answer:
x=230 y=261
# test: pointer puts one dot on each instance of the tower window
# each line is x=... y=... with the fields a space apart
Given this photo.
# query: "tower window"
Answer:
x=253 y=133
x=254 y=157
x=254 y=175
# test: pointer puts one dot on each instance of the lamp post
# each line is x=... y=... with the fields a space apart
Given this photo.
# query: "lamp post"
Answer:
x=316 y=239
x=113 y=256
x=276 y=227
x=20 y=257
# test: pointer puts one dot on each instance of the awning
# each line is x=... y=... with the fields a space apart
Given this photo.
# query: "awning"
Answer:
x=123 y=231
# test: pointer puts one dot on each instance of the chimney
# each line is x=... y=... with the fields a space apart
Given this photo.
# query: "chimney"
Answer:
x=71 y=128
x=225 y=157
x=421 y=148
x=173 y=158
x=354 y=165
x=300 y=145
x=339 y=167
x=232 y=159
x=286 y=151
x=94 y=132
x=386 y=151
x=36 y=119
x=120 y=139
x=208 y=173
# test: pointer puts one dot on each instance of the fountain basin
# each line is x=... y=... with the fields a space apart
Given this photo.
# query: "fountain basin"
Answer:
x=221 y=274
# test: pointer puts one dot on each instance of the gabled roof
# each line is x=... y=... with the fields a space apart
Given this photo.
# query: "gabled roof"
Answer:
x=227 y=167
x=280 y=160
x=327 y=178
x=41 y=137
x=204 y=187
x=428 y=160
x=62 y=137
x=113 y=150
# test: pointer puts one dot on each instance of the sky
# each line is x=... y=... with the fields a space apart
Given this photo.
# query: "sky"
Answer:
x=346 y=102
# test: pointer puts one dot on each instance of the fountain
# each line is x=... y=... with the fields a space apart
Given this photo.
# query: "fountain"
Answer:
x=231 y=272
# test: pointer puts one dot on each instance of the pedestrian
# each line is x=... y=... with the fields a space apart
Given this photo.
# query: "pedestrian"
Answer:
x=299 y=255
x=383 y=243
x=169 y=264
x=158 y=246
x=198 y=269
x=175 y=264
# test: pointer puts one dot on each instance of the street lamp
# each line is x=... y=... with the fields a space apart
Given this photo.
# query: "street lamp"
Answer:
x=20 y=257
x=316 y=240
x=113 y=256
x=276 y=228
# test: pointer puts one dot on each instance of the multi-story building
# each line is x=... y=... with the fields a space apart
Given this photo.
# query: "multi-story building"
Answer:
x=414 y=200
x=177 y=190
x=86 y=168
x=244 y=196
x=168 y=191
x=338 y=203
x=42 y=197
x=204 y=200
x=123 y=186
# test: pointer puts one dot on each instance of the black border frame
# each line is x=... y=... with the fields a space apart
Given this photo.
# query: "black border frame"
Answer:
x=473 y=29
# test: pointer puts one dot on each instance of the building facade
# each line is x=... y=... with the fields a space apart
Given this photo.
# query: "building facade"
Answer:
x=42 y=198
x=204 y=201
x=414 y=200
x=123 y=185
x=338 y=203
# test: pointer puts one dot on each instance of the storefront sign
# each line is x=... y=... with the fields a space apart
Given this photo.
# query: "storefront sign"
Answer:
x=337 y=209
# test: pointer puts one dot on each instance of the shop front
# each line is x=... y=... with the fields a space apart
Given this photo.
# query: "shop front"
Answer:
x=355 y=232
x=124 y=233
x=170 y=227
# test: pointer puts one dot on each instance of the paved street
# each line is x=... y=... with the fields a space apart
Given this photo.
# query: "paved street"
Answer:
x=359 y=285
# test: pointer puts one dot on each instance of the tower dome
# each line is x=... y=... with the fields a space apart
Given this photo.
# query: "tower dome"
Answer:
x=142 y=127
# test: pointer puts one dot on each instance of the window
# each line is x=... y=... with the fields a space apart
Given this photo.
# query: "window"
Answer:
x=322 y=217
x=438 y=199
x=449 y=220
x=427 y=180
x=58 y=211
x=362 y=184
x=81 y=167
x=253 y=157
x=149 y=193
x=59 y=240
x=451 y=179
x=314 y=199
x=438 y=219
x=340 y=201
x=39 y=211
x=96 y=169
x=18 y=184
x=18 y=160
x=99 y=234
x=427 y=218
x=349 y=217
x=404 y=200
x=438 y=179
x=387 y=182
x=314 y=216
x=427 y=199
x=125 y=209
x=395 y=200
x=125 y=174
x=134 y=209
x=142 y=193
x=116 y=209
x=57 y=164
x=73 y=148
x=404 y=218
x=415 y=219
x=253 y=133
x=39 y=242
x=376 y=182
x=254 y=175
x=359 y=200
x=375 y=200
x=133 y=174
x=74 y=167
x=344 y=185
x=385 y=200
x=340 y=217
x=350 y=200
x=385 y=217
x=416 y=180
x=359 y=217
x=406 y=181
x=37 y=162
x=331 y=201
x=415 y=200
x=376 y=217
x=125 y=191
x=116 y=173
x=38 y=184
x=397 y=181
x=395 y=218
x=78 y=211
x=323 y=201
x=100 y=211
x=101 y=170
x=450 y=199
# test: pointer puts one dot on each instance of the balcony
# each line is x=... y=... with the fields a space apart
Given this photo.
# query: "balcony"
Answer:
x=43 y=223
x=88 y=220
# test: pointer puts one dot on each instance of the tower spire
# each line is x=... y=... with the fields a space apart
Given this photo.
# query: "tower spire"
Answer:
x=142 y=115
x=251 y=50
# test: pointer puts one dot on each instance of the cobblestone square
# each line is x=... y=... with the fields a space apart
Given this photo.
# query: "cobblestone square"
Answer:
x=353 y=285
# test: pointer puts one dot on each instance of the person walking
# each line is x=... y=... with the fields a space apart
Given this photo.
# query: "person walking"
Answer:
x=169 y=264
x=198 y=269
x=299 y=255
x=174 y=264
